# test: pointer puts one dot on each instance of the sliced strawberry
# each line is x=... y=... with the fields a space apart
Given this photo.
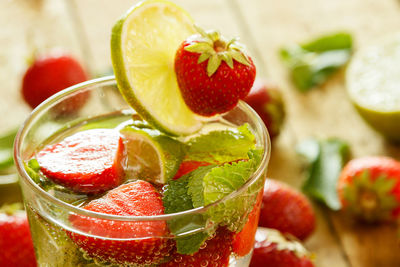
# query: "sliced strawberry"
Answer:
x=15 y=239
x=214 y=253
x=137 y=198
x=188 y=166
x=88 y=161
x=244 y=240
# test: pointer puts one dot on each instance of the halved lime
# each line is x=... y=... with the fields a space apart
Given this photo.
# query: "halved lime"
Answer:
x=373 y=84
x=151 y=155
x=143 y=47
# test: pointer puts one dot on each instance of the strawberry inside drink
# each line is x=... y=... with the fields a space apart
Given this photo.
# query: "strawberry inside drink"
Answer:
x=143 y=185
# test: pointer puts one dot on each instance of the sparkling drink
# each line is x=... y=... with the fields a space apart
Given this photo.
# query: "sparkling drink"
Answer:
x=211 y=232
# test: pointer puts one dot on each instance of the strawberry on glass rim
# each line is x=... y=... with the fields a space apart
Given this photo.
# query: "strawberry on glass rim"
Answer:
x=213 y=74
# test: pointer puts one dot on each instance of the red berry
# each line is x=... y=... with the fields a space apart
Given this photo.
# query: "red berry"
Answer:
x=88 y=161
x=15 y=241
x=274 y=249
x=214 y=253
x=267 y=101
x=137 y=198
x=189 y=166
x=213 y=75
x=286 y=210
x=369 y=187
x=244 y=240
x=51 y=74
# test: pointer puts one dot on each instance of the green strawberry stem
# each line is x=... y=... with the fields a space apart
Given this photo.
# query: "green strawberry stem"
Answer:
x=213 y=47
x=371 y=199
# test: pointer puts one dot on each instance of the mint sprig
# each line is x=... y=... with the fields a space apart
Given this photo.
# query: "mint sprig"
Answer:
x=224 y=180
x=311 y=64
x=207 y=185
x=222 y=146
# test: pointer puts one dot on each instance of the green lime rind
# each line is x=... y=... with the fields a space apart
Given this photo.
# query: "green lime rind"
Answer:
x=386 y=123
x=163 y=106
x=170 y=153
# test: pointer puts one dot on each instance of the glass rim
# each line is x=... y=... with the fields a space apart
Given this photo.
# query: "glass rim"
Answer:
x=110 y=80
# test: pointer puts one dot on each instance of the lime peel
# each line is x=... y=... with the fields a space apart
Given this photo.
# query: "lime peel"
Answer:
x=373 y=85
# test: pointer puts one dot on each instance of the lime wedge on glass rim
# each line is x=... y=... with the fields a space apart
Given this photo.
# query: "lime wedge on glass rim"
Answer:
x=151 y=155
x=143 y=47
x=373 y=84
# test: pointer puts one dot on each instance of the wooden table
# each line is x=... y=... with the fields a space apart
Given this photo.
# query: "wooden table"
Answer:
x=83 y=28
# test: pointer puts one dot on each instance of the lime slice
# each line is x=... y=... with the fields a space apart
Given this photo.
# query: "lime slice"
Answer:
x=150 y=155
x=143 y=47
x=373 y=84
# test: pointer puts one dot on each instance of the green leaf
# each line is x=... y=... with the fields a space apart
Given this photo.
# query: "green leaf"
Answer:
x=195 y=185
x=313 y=63
x=239 y=57
x=204 y=186
x=213 y=63
x=325 y=161
x=176 y=198
x=200 y=47
x=218 y=182
x=6 y=149
x=203 y=57
x=341 y=40
x=222 y=146
x=227 y=58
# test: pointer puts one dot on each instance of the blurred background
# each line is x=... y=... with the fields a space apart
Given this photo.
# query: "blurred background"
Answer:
x=82 y=28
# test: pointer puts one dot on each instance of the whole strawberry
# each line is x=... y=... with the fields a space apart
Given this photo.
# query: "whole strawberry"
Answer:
x=50 y=74
x=15 y=238
x=286 y=210
x=136 y=242
x=212 y=73
x=369 y=187
x=266 y=100
x=274 y=249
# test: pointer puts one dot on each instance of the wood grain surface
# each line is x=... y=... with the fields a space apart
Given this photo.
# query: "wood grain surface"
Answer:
x=83 y=27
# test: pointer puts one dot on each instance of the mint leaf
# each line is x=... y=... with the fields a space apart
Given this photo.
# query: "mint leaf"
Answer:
x=204 y=186
x=176 y=199
x=6 y=150
x=311 y=64
x=325 y=161
x=210 y=184
x=33 y=168
x=224 y=180
x=222 y=146
x=195 y=185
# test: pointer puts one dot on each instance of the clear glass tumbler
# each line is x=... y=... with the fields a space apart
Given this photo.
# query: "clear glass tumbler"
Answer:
x=58 y=239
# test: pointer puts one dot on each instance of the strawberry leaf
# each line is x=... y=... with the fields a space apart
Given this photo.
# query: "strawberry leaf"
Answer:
x=325 y=161
x=213 y=64
x=222 y=146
